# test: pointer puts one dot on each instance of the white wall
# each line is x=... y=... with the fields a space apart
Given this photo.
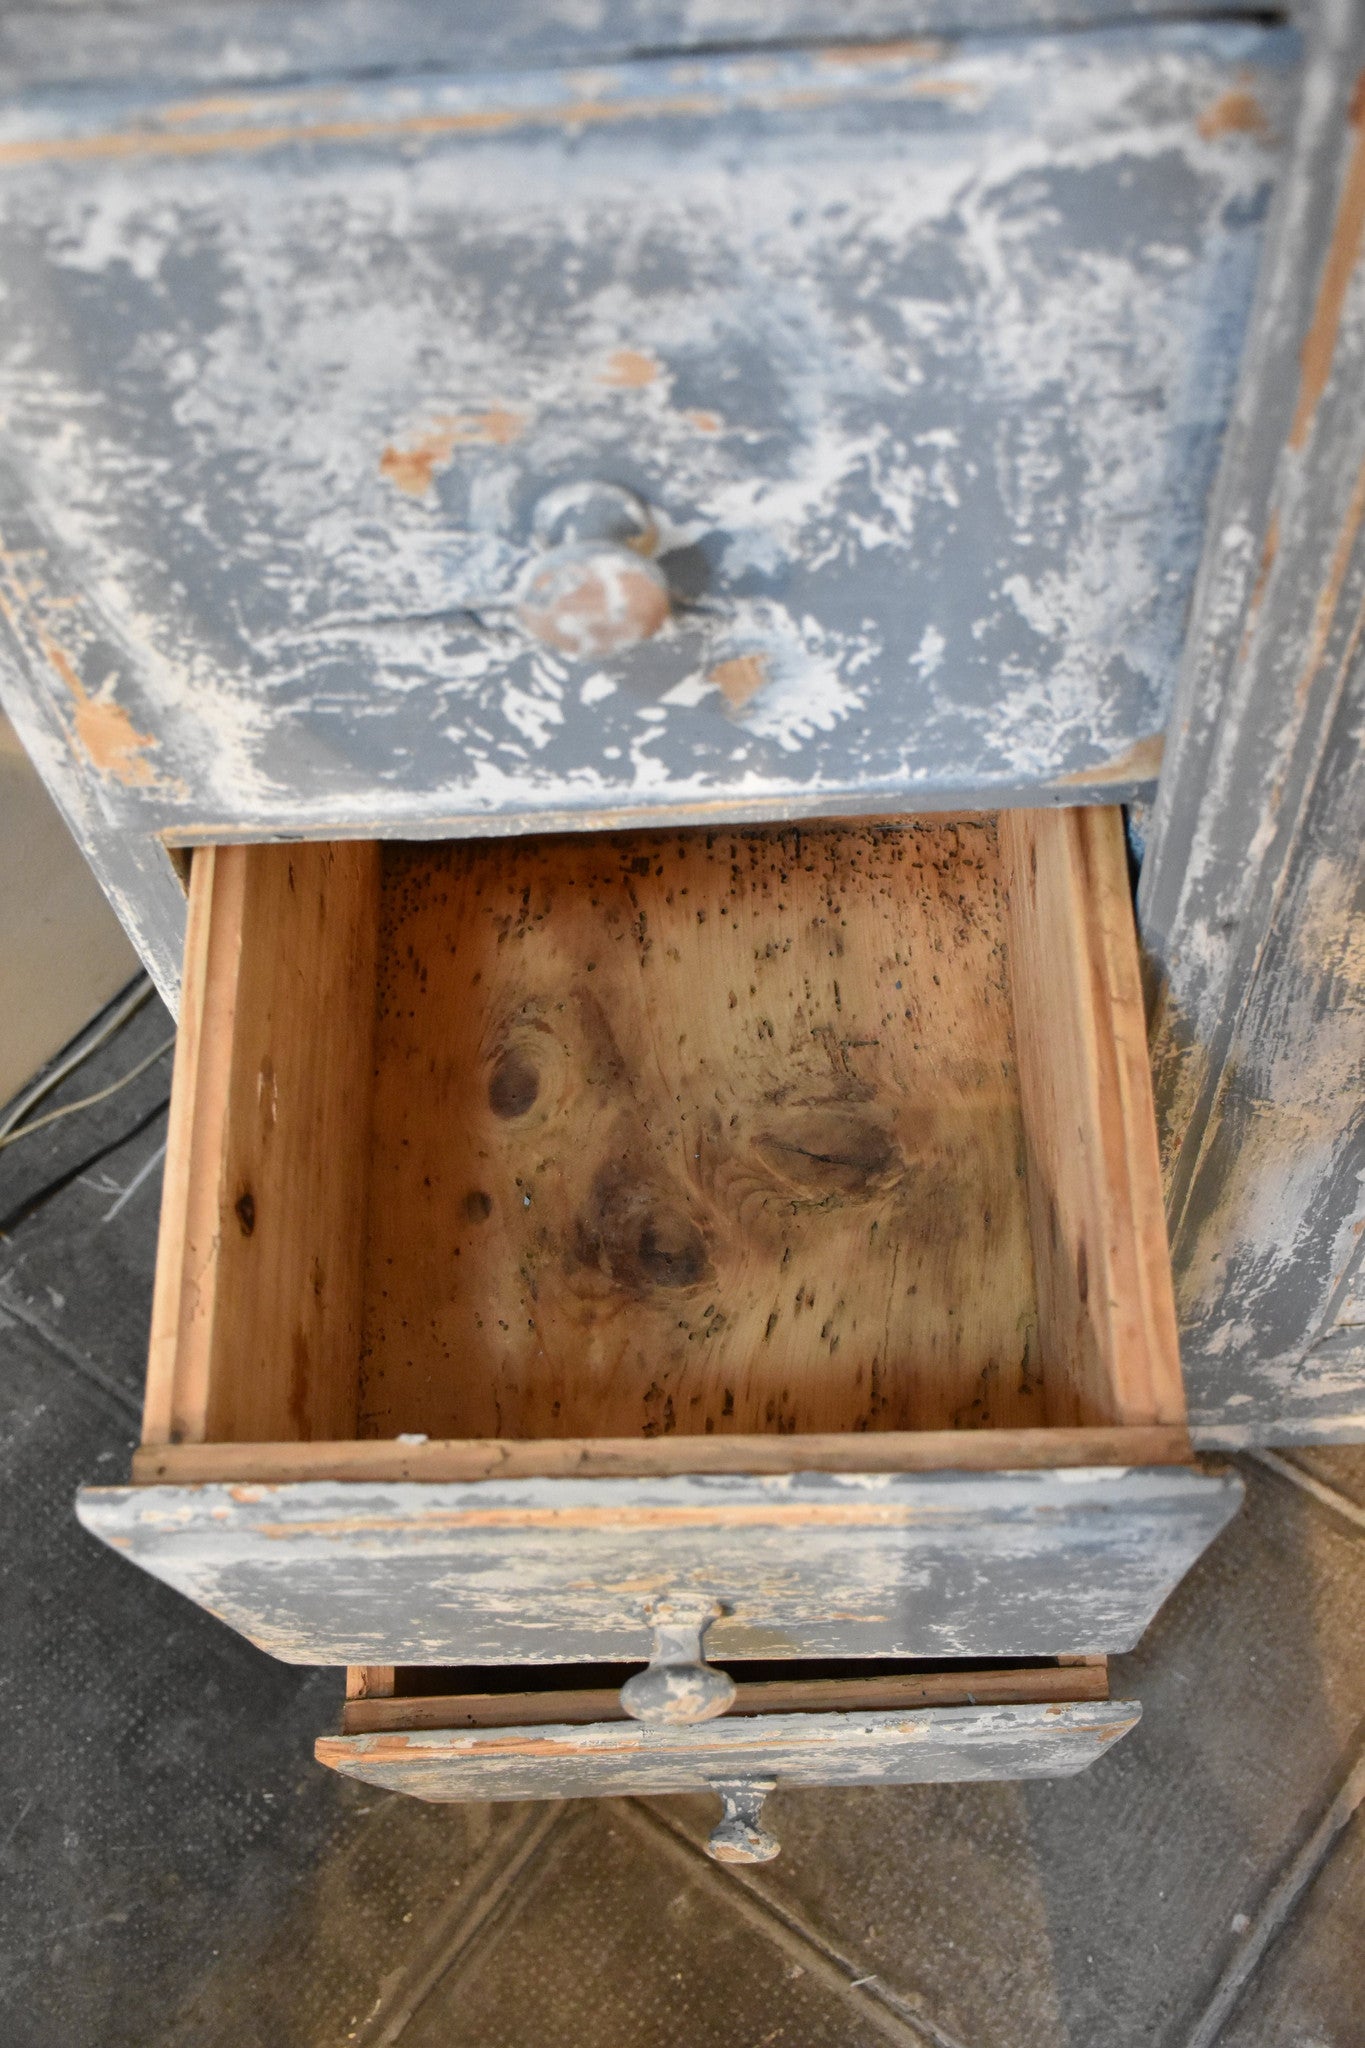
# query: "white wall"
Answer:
x=62 y=951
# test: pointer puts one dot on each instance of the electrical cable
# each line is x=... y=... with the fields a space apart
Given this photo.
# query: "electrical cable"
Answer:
x=132 y=1000
x=12 y=1137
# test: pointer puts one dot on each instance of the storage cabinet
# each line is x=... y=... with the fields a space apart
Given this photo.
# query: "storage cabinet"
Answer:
x=741 y=1243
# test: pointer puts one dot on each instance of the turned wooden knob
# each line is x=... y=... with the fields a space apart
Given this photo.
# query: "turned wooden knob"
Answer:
x=679 y=1687
x=738 y=1836
x=593 y=598
x=595 y=590
x=593 y=510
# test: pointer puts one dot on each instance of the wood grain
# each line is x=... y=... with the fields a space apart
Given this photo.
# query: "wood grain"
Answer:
x=1106 y=1309
x=1254 y=879
x=698 y=1132
x=175 y=1405
x=369 y=1682
x=256 y=1329
x=364 y=1714
x=930 y=1450
x=664 y=1153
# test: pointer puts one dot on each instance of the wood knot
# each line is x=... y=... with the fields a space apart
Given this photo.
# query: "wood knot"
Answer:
x=640 y=1236
x=514 y=1085
x=831 y=1151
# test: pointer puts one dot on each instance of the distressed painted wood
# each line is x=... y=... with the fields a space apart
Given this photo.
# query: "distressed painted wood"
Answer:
x=1253 y=891
x=1065 y=1683
x=946 y=1745
x=524 y=1571
x=76 y=736
x=480 y=1085
x=206 y=41
x=921 y=358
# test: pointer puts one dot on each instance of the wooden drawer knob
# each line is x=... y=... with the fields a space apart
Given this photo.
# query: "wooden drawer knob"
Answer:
x=593 y=599
x=679 y=1687
x=594 y=592
x=737 y=1836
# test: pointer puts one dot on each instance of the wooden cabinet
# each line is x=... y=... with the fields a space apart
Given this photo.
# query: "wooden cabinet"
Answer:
x=746 y=1230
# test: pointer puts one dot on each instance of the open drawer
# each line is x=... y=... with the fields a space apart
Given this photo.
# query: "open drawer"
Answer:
x=544 y=1733
x=754 y=1230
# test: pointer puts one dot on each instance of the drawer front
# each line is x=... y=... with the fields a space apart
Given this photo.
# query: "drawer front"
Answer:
x=920 y=1565
x=937 y=1746
x=920 y=355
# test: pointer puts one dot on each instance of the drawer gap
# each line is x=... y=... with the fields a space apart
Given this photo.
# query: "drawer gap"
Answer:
x=434 y=1696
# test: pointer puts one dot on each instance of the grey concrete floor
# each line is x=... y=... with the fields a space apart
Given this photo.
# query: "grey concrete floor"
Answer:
x=175 y=1870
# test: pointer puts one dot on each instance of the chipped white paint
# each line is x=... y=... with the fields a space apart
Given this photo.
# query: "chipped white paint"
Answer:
x=920 y=356
x=104 y=41
x=1253 y=893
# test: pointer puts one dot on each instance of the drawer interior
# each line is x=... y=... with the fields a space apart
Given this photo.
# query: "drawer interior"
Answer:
x=665 y=1139
x=384 y=1698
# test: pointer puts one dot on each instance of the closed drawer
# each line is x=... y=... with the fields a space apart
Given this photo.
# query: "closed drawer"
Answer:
x=756 y=1225
x=919 y=353
x=542 y=1738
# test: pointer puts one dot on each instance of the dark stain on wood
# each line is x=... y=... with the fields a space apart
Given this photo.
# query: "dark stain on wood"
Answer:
x=515 y=1084
x=639 y=1233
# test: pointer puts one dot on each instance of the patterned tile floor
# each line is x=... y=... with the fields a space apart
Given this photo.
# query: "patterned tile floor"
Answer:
x=175 y=1872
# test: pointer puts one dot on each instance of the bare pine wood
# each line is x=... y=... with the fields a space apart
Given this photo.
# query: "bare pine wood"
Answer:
x=179 y=1351
x=1106 y=1310
x=698 y=1133
x=664 y=1153
x=256 y=1330
x=363 y=1714
x=369 y=1682
x=930 y=1450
